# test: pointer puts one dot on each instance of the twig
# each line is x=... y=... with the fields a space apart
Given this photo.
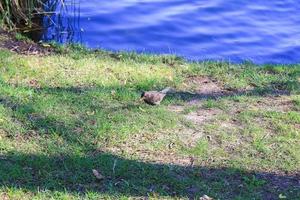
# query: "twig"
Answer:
x=114 y=166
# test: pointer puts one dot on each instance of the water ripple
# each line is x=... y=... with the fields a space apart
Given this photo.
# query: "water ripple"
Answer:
x=261 y=31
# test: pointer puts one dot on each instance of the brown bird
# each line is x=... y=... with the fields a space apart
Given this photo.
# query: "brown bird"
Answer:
x=154 y=97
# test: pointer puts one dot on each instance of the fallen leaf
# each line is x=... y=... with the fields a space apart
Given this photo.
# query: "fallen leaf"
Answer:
x=142 y=109
x=90 y=113
x=281 y=196
x=46 y=45
x=98 y=175
x=205 y=197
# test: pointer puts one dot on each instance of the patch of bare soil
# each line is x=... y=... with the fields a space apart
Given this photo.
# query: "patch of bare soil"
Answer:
x=8 y=41
x=190 y=137
x=275 y=103
x=176 y=108
x=198 y=88
x=202 y=115
x=197 y=117
x=204 y=87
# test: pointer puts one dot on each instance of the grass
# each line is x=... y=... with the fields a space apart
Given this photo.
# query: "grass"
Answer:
x=65 y=114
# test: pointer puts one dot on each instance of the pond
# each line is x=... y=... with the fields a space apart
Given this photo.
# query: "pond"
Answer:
x=261 y=31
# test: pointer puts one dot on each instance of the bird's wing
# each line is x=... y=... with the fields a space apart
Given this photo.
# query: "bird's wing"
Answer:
x=154 y=97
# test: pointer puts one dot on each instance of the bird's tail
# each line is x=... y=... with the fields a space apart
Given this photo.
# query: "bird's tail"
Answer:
x=166 y=90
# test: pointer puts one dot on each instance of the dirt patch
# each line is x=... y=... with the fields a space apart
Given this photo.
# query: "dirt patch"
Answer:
x=204 y=85
x=8 y=41
x=202 y=88
x=271 y=103
x=198 y=88
x=202 y=115
x=176 y=108
x=190 y=137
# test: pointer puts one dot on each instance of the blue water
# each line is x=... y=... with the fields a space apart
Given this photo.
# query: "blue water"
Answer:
x=261 y=31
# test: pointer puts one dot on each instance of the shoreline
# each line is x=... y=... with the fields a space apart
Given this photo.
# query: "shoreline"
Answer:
x=26 y=46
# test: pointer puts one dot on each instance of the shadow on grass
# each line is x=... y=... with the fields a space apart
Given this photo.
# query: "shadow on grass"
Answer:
x=174 y=95
x=187 y=96
x=123 y=177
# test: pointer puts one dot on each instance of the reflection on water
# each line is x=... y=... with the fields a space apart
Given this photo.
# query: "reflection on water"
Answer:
x=63 y=21
x=261 y=31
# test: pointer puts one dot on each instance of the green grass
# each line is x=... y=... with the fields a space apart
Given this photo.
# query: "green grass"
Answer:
x=65 y=114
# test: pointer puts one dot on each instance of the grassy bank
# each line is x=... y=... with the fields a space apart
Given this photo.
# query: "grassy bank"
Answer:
x=227 y=131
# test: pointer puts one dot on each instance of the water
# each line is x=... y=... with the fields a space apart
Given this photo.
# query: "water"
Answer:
x=261 y=31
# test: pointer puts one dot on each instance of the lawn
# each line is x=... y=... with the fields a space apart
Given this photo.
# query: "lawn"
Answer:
x=229 y=131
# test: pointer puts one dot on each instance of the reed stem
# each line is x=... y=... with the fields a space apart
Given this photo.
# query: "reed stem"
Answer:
x=18 y=13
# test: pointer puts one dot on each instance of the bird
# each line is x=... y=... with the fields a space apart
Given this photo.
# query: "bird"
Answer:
x=154 y=97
